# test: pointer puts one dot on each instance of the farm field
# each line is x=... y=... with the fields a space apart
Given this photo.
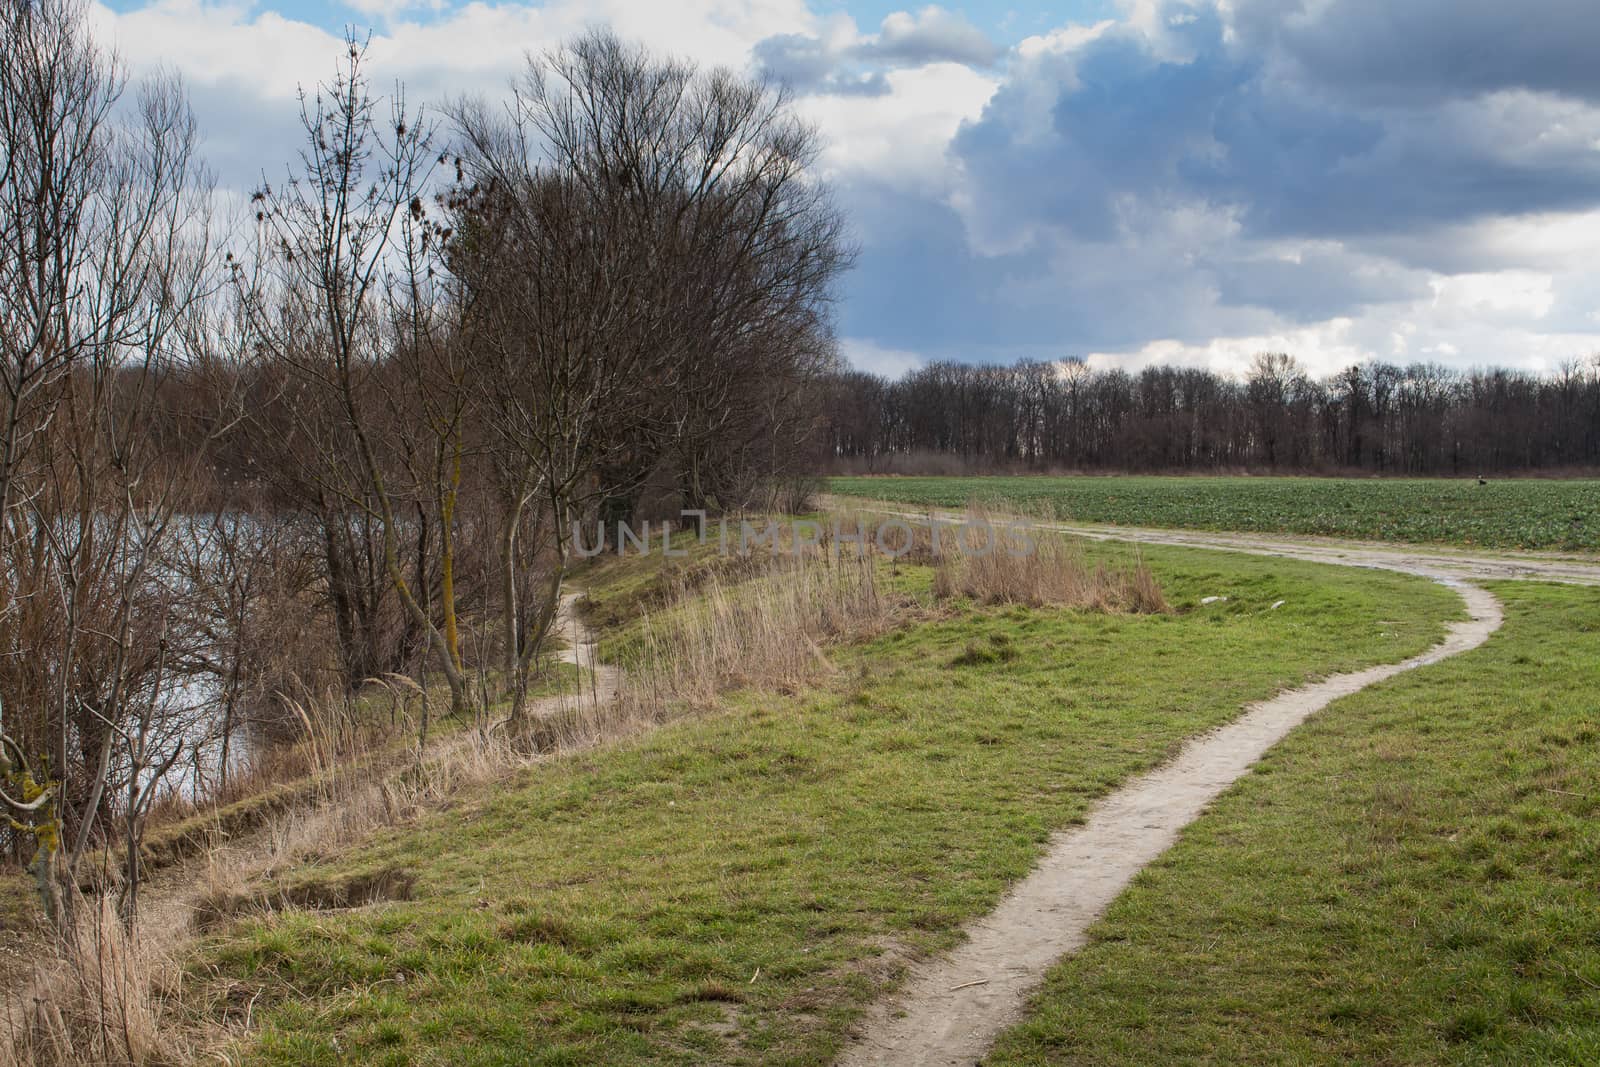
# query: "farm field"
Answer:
x=1506 y=513
x=736 y=887
x=1408 y=878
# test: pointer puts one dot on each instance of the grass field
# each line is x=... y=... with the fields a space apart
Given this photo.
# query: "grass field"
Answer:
x=1409 y=878
x=735 y=887
x=1503 y=514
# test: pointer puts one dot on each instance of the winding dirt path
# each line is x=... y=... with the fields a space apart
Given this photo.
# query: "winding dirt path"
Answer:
x=953 y=1007
x=1430 y=561
x=580 y=649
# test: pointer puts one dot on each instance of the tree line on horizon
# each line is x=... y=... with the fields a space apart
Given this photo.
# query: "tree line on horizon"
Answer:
x=1371 y=418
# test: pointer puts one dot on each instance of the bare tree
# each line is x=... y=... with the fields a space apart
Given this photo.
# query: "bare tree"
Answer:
x=104 y=253
x=651 y=257
x=330 y=237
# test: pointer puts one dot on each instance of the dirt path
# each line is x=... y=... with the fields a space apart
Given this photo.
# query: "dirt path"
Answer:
x=952 y=1008
x=1433 y=561
x=1424 y=560
x=579 y=649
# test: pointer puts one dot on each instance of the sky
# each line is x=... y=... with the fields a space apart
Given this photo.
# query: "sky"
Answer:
x=1131 y=181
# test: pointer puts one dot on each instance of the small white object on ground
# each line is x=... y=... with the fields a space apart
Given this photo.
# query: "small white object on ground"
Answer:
x=1276 y=604
x=1213 y=599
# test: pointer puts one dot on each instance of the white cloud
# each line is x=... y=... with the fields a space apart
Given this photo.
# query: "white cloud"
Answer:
x=1148 y=216
x=1062 y=40
x=902 y=135
x=221 y=44
x=1503 y=295
x=478 y=45
x=244 y=64
x=934 y=34
x=1423 y=331
x=866 y=356
x=1547 y=241
x=1321 y=349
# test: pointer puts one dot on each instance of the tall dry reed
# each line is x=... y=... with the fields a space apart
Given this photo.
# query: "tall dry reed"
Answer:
x=97 y=1001
x=767 y=631
x=1040 y=568
x=102 y=997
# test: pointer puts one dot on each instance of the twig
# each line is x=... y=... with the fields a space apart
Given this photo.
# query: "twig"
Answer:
x=968 y=985
x=1574 y=974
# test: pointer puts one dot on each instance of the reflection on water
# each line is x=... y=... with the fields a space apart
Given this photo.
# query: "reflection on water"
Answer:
x=196 y=723
x=194 y=716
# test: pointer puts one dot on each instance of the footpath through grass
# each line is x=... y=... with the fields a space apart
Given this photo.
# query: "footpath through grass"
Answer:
x=1412 y=877
x=735 y=888
x=1506 y=513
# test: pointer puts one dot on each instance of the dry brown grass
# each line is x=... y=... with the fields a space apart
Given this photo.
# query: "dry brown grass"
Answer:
x=765 y=632
x=1036 y=568
x=352 y=807
x=102 y=997
x=98 y=1000
x=344 y=741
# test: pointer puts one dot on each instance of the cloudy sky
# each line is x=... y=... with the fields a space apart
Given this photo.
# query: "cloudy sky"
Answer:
x=1183 y=181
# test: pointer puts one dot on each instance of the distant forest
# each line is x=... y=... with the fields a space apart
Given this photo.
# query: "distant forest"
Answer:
x=1422 y=419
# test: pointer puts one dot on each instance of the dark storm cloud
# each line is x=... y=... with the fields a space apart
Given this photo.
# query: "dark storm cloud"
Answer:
x=807 y=65
x=1203 y=117
x=919 y=285
x=1130 y=125
x=1314 y=286
x=1198 y=171
x=1433 y=49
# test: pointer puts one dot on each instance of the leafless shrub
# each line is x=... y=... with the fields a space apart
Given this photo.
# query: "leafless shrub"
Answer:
x=106 y=259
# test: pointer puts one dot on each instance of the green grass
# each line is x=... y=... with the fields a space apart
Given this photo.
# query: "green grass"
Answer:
x=734 y=888
x=1503 y=514
x=1410 y=878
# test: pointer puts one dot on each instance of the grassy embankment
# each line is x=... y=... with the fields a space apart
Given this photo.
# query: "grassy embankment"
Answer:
x=1506 y=513
x=373 y=738
x=376 y=739
x=1409 y=878
x=735 y=886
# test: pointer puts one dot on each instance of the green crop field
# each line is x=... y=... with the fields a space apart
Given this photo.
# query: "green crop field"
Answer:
x=1543 y=514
